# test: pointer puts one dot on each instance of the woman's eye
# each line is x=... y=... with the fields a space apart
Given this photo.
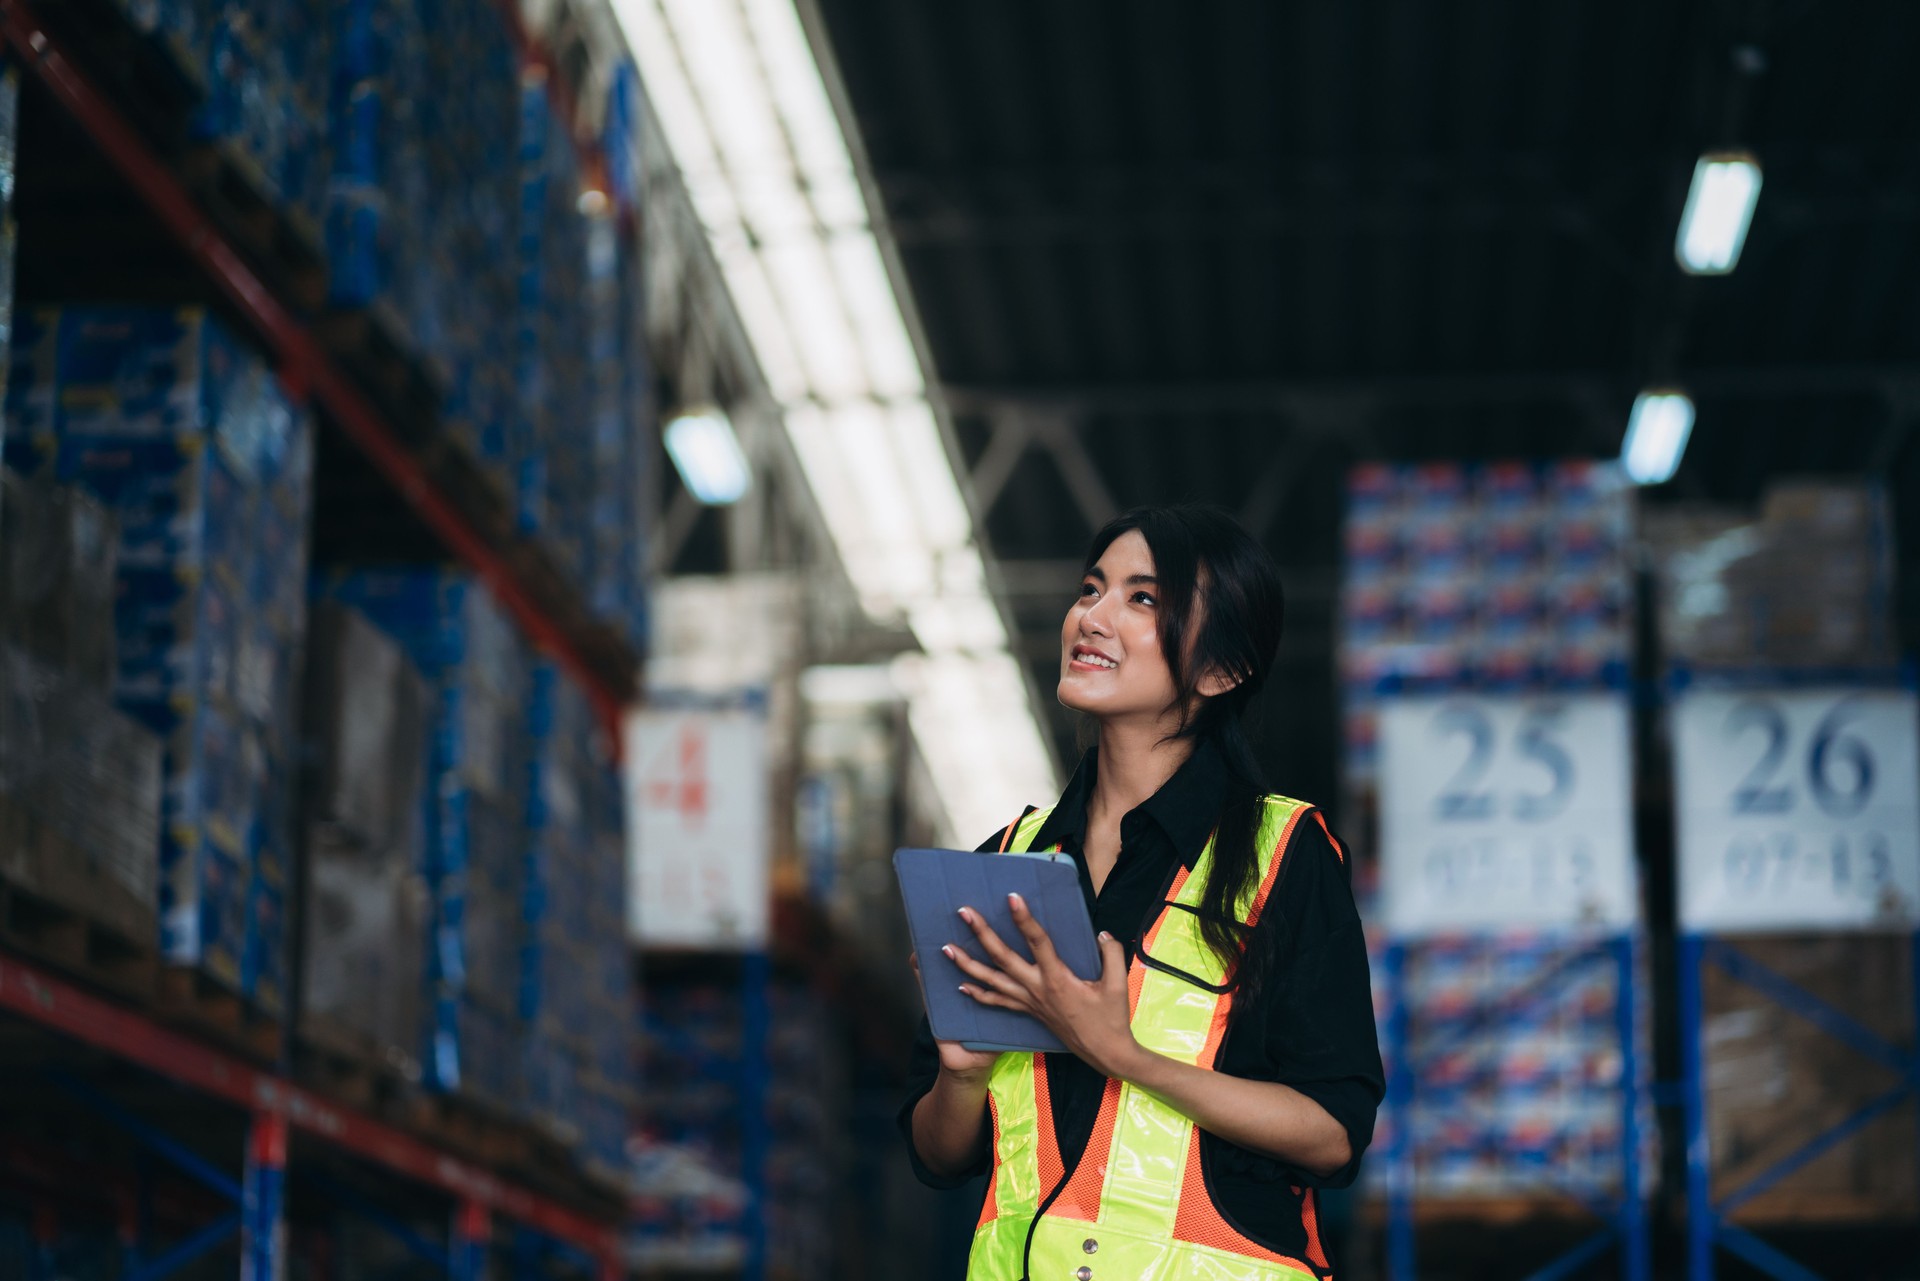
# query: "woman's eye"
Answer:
x=1088 y=589
x=1143 y=598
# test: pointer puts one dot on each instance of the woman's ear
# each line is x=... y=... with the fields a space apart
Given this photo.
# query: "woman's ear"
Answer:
x=1215 y=682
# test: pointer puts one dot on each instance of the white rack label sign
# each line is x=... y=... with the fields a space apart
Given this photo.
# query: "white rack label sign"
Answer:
x=697 y=796
x=1798 y=809
x=1506 y=811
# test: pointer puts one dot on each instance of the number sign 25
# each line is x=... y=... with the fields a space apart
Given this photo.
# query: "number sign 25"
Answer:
x=1505 y=811
x=1797 y=808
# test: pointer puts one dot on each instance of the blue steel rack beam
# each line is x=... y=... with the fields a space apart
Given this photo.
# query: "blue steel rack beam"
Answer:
x=1707 y=1222
x=279 y=1109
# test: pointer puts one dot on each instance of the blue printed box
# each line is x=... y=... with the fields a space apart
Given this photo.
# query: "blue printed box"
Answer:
x=31 y=384
x=179 y=503
x=143 y=371
x=179 y=635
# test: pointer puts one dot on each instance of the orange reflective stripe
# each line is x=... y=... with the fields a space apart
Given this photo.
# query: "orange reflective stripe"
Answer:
x=1310 y=1217
x=990 y=1209
x=1216 y=1031
x=1006 y=838
x=1081 y=1197
x=1199 y=1222
x=1338 y=849
x=1052 y=1167
x=1273 y=869
x=1180 y=875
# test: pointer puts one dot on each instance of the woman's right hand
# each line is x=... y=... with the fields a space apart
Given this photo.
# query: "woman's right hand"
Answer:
x=955 y=1058
x=959 y=1061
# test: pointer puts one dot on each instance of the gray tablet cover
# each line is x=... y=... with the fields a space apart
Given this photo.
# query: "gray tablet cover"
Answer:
x=936 y=884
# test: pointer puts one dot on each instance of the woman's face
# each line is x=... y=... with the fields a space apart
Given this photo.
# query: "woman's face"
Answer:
x=1111 y=664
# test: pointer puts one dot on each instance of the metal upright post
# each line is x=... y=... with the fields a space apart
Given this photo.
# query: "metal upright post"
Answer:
x=471 y=1230
x=263 y=1233
x=134 y=1217
x=46 y=1238
x=526 y=1254
x=756 y=975
x=1401 y=1263
x=1636 y=1247
x=1692 y=958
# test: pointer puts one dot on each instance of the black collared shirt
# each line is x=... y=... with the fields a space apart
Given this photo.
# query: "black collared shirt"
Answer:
x=1310 y=1027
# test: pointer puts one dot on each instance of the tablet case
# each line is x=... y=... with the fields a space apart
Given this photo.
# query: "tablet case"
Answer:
x=936 y=884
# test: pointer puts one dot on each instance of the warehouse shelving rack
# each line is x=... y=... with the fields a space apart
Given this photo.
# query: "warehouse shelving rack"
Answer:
x=1624 y=1219
x=1708 y=1220
x=510 y=565
x=277 y=1112
x=71 y=1040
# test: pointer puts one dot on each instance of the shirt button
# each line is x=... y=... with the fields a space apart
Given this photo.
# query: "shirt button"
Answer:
x=1090 y=1245
x=1084 y=1273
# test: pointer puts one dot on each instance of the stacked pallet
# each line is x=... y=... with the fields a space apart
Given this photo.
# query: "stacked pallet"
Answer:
x=79 y=779
x=576 y=995
x=578 y=368
x=184 y=435
x=365 y=918
x=472 y=863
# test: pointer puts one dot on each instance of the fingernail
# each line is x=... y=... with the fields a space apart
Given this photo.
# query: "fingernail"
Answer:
x=963 y=989
x=1105 y=937
x=964 y=916
x=946 y=950
x=1016 y=900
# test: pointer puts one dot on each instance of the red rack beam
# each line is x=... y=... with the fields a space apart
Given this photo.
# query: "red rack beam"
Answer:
x=303 y=362
x=33 y=994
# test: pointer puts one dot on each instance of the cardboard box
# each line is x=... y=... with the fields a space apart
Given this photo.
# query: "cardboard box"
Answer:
x=58 y=556
x=1775 y=1081
x=82 y=787
x=364 y=950
x=368 y=711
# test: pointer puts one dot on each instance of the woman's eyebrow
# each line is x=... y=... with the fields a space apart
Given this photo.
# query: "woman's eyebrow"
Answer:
x=1132 y=580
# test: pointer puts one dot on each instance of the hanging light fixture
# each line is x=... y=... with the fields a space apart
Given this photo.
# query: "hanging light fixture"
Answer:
x=1719 y=209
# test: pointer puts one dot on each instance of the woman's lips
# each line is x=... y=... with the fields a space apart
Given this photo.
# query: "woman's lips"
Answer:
x=1091 y=660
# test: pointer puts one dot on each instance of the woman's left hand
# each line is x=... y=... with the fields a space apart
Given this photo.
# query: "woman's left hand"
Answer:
x=1091 y=1018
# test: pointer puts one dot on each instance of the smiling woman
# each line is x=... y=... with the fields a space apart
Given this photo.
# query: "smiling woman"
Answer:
x=1224 y=1064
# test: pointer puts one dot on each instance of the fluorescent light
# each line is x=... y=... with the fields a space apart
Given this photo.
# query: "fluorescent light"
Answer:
x=893 y=367
x=707 y=455
x=1713 y=227
x=974 y=728
x=771 y=178
x=1656 y=436
x=928 y=481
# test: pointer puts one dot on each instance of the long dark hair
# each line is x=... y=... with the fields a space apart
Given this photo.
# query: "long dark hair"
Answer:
x=1221 y=609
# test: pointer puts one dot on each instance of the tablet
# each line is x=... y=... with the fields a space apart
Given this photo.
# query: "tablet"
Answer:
x=936 y=884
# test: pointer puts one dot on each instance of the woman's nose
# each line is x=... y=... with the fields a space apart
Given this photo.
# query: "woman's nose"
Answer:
x=1094 y=618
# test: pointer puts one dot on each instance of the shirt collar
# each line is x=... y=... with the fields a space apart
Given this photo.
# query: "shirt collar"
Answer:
x=1186 y=808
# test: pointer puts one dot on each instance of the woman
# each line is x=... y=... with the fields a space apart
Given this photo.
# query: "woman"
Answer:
x=1224 y=1063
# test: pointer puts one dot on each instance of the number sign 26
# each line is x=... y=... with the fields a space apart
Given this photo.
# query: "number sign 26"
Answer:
x=1797 y=808
x=1503 y=811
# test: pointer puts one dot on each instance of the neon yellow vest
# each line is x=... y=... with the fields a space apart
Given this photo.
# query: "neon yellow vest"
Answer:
x=1136 y=1207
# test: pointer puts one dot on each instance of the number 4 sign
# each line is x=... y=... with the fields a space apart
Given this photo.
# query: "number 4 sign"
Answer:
x=1797 y=809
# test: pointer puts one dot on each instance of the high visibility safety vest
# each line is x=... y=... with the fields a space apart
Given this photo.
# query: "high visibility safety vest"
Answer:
x=1136 y=1206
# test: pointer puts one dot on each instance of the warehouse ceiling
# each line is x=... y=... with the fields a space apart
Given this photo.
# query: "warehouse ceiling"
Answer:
x=1222 y=251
